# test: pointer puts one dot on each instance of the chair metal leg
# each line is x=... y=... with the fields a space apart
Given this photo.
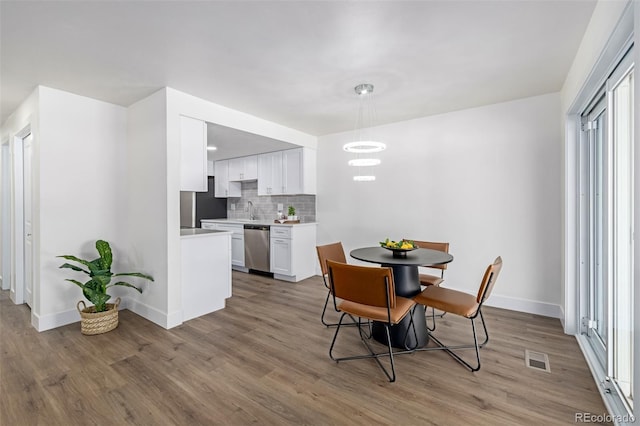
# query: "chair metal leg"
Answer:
x=372 y=354
x=324 y=310
x=433 y=320
x=475 y=345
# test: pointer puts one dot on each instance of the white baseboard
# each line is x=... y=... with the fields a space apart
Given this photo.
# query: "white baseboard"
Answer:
x=59 y=319
x=5 y=284
x=523 y=305
x=154 y=315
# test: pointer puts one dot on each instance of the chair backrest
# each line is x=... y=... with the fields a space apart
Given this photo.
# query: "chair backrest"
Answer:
x=362 y=284
x=433 y=246
x=333 y=252
x=489 y=280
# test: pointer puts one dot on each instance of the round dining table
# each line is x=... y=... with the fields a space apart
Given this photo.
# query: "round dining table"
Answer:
x=407 y=284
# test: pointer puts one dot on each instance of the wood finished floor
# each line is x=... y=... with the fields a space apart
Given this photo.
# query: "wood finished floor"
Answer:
x=264 y=360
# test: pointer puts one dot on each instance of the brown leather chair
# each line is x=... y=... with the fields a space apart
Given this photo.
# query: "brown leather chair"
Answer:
x=367 y=293
x=334 y=252
x=428 y=279
x=465 y=305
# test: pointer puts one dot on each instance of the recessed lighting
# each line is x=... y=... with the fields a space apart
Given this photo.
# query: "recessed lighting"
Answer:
x=212 y=148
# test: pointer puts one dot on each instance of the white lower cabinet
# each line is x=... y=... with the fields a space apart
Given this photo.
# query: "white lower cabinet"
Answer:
x=281 y=256
x=293 y=252
x=237 y=241
x=206 y=274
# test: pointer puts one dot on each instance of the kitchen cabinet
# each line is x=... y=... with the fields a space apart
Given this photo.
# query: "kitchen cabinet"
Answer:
x=280 y=252
x=293 y=252
x=224 y=187
x=243 y=168
x=193 y=154
x=205 y=272
x=270 y=173
x=237 y=242
x=288 y=172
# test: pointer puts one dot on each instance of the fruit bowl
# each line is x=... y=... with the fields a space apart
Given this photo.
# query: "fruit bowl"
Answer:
x=400 y=252
x=399 y=248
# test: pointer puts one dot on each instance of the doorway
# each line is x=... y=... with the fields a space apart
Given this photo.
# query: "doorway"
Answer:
x=21 y=288
x=5 y=202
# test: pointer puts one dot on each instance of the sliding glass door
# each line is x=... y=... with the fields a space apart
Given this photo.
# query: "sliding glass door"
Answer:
x=606 y=229
x=595 y=324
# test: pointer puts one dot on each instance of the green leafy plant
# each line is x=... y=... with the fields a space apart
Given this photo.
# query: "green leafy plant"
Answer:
x=292 y=211
x=99 y=271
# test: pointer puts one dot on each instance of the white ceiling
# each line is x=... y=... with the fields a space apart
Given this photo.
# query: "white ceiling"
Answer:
x=293 y=62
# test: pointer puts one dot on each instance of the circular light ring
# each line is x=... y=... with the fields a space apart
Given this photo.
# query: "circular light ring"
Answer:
x=364 y=147
x=364 y=178
x=363 y=162
x=364 y=88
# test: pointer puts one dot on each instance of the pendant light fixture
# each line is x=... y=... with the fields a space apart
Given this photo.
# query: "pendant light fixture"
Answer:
x=364 y=144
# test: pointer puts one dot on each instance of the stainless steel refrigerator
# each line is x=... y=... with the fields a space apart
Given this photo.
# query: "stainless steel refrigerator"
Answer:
x=195 y=206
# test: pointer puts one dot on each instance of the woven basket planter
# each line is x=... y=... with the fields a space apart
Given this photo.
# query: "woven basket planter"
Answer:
x=93 y=322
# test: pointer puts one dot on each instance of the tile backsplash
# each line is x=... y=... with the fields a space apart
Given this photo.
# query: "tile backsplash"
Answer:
x=266 y=206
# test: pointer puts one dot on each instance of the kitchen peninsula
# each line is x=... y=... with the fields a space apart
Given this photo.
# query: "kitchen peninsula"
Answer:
x=206 y=271
x=291 y=247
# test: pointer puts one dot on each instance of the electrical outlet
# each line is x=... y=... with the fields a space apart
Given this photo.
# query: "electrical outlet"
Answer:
x=280 y=207
x=233 y=206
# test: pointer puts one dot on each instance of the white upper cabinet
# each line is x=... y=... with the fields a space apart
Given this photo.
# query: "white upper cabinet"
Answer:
x=292 y=177
x=288 y=172
x=270 y=173
x=243 y=168
x=224 y=188
x=193 y=154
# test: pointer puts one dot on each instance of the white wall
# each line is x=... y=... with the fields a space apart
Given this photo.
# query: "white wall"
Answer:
x=146 y=224
x=485 y=179
x=78 y=185
x=81 y=193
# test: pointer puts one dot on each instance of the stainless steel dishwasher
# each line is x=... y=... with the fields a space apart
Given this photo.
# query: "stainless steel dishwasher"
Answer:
x=256 y=248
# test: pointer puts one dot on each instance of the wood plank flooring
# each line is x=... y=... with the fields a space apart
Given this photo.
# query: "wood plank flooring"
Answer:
x=264 y=360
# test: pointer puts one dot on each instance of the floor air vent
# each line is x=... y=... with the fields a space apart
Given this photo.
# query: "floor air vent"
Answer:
x=536 y=360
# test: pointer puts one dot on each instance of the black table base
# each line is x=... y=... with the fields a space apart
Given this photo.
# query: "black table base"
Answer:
x=405 y=279
x=397 y=332
x=407 y=284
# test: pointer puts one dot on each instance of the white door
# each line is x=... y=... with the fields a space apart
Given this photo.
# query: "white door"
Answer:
x=28 y=246
x=17 y=234
x=6 y=216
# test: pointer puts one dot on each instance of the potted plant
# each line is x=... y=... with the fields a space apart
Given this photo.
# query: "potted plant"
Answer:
x=292 y=213
x=103 y=316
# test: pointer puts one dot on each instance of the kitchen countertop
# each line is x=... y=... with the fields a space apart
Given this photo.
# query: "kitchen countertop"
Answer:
x=198 y=232
x=263 y=222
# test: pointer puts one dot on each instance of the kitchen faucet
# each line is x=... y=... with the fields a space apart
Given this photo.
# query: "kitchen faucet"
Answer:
x=250 y=208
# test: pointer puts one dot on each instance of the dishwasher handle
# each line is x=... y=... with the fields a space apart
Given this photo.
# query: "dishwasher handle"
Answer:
x=257 y=227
